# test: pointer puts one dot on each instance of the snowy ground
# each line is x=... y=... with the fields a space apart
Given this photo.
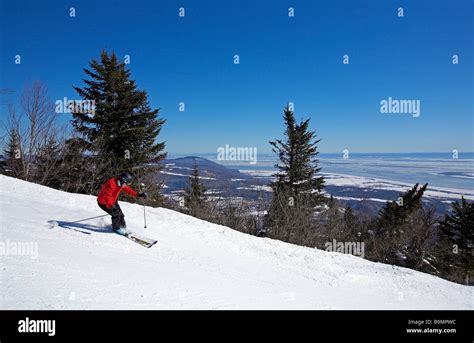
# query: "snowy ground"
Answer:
x=195 y=265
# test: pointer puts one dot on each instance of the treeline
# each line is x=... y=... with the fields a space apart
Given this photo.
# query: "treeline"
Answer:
x=404 y=233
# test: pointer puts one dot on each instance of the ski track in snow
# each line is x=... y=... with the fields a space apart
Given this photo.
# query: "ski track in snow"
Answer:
x=194 y=265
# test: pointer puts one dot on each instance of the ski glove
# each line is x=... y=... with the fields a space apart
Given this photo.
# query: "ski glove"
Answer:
x=143 y=195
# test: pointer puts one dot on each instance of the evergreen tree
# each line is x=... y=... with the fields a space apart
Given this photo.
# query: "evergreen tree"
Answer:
x=14 y=159
x=458 y=228
x=394 y=214
x=47 y=163
x=296 y=190
x=75 y=168
x=340 y=223
x=417 y=241
x=121 y=128
x=297 y=154
x=392 y=224
x=350 y=222
x=195 y=200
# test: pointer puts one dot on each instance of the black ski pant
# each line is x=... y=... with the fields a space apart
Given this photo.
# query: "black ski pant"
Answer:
x=118 y=218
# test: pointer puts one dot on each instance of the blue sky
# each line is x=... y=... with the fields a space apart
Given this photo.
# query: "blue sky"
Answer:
x=282 y=59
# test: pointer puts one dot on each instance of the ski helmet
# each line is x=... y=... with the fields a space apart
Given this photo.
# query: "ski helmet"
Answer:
x=125 y=177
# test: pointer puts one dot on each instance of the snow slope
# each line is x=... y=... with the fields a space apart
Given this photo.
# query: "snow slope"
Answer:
x=195 y=265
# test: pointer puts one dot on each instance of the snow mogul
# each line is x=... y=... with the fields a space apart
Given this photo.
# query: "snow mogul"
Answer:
x=108 y=198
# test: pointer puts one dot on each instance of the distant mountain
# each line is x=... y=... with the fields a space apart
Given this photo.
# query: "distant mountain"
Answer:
x=218 y=179
x=184 y=165
x=366 y=195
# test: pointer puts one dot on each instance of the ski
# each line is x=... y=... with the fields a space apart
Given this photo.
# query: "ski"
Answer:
x=139 y=239
x=143 y=241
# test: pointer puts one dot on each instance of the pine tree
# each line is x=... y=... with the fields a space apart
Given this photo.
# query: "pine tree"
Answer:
x=47 y=163
x=394 y=214
x=458 y=228
x=14 y=159
x=298 y=164
x=195 y=200
x=121 y=128
x=350 y=222
x=391 y=225
x=296 y=190
x=417 y=243
x=76 y=167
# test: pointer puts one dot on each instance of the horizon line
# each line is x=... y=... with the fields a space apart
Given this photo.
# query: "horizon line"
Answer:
x=339 y=152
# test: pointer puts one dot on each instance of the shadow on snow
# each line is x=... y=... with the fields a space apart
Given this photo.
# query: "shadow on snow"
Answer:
x=79 y=227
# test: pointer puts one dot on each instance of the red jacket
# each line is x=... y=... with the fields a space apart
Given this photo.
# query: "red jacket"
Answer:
x=110 y=191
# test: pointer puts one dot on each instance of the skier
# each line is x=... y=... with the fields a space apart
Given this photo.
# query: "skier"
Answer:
x=108 y=198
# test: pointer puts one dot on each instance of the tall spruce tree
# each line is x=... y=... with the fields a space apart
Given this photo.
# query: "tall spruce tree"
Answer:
x=297 y=190
x=195 y=200
x=121 y=128
x=458 y=228
x=297 y=154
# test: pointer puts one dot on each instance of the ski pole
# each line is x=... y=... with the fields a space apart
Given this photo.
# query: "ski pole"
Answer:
x=144 y=215
x=143 y=202
x=83 y=220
